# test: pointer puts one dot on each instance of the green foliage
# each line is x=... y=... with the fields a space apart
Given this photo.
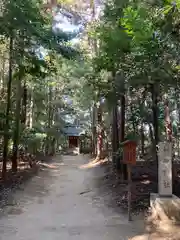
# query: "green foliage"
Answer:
x=36 y=122
x=135 y=44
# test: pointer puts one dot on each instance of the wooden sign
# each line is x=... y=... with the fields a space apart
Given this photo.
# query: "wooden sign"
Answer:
x=165 y=169
x=129 y=158
x=129 y=152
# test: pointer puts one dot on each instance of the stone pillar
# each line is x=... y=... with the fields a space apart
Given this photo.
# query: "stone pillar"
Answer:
x=165 y=207
x=165 y=169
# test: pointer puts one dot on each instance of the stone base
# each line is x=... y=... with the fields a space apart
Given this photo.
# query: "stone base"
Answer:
x=164 y=211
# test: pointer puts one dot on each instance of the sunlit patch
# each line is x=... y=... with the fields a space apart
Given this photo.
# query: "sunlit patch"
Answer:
x=146 y=182
x=60 y=164
x=144 y=175
x=55 y=170
x=93 y=163
x=51 y=166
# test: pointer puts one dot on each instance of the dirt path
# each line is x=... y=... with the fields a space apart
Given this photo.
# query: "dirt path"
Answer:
x=62 y=202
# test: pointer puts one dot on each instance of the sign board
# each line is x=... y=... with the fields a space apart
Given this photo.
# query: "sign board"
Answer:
x=129 y=152
x=129 y=158
x=165 y=169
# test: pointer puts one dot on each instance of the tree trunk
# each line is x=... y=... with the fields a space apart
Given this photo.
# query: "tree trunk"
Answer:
x=24 y=105
x=31 y=110
x=3 y=74
x=53 y=146
x=115 y=137
x=94 y=146
x=93 y=43
x=2 y=88
x=122 y=130
x=142 y=122
x=99 y=133
x=154 y=93
x=168 y=124
x=134 y=124
x=122 y=126
x=16 y=136
x=49 y=121
x=8 y=107
x=142 y=139
x=178 y=110
x=151 y=135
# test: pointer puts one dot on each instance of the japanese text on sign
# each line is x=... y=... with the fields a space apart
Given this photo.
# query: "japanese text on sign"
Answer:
x=165 y=168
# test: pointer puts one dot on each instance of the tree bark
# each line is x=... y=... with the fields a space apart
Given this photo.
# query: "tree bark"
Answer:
x=177 y=94
x=30 y=110
x=93 y=43
x=122 y=131
x=24 y=105
x=49 y=121
x=142 y=139
x=94 y=137
x=115 y=136
x=3 y=74
x=99 y=132
x=16 y=136
x=122 y=126
x=8 y=107
x=151 y=135
x=134 y=124
x=142 y=123
x=168 y=124
x=154 y=93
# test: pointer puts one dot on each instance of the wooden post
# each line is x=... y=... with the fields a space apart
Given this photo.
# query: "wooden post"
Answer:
x=129 y=158
x=129 y=192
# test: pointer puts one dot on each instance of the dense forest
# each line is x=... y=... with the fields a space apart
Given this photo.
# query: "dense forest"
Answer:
x=35 y=75
x=123 y=72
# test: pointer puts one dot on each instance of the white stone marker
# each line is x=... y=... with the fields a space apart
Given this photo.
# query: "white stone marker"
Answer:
x=165 y=169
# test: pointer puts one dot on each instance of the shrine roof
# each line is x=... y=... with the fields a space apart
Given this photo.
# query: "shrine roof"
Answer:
x=73 y=131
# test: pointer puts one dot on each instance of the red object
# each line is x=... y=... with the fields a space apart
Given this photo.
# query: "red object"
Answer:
x=73 y=141
x=129 y=152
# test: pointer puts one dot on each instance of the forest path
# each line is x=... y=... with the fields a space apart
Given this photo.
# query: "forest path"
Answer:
x=62 y=202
